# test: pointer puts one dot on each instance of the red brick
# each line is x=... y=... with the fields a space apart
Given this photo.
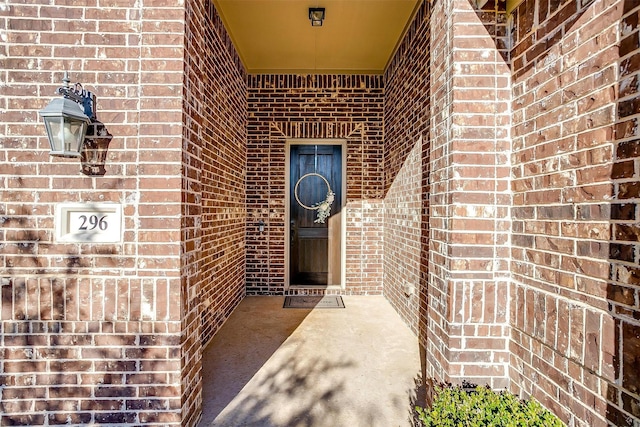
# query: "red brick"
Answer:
x=561 y=131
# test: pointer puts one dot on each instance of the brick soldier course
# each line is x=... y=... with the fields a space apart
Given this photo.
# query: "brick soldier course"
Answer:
x=492 y=197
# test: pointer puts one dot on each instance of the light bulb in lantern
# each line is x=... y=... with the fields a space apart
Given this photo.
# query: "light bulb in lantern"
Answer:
x=71 y=130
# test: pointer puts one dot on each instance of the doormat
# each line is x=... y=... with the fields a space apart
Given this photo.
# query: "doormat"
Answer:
x=313 y=301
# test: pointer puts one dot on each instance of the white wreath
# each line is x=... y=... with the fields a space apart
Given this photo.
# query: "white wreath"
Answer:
x=323 y=207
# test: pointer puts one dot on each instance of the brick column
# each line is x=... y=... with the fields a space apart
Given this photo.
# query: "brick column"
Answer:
x=469 y=222
x=623 y=290
x=90 y=332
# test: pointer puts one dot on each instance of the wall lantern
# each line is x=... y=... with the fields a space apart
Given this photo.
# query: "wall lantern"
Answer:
x=66 y=119
x=316 y=16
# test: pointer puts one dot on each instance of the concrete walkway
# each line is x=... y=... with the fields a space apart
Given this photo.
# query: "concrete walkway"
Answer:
x=332 y=367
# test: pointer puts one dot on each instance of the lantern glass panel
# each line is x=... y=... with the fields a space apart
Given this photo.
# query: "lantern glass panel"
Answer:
x=66 y=135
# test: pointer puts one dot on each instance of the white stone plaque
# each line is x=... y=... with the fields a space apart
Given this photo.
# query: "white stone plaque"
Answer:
x=89 y=222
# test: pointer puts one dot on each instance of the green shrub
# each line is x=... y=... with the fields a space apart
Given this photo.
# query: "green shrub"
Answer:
x=455 y=407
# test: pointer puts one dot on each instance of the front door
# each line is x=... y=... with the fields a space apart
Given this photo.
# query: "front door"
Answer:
x=315 y=188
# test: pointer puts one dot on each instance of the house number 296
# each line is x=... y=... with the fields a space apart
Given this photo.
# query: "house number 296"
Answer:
x=92 y=222
x=89 y=222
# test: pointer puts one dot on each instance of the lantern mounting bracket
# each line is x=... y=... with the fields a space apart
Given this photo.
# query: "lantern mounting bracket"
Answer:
x=78 y=94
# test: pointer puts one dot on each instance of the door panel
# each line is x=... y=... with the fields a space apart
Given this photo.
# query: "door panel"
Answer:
x=315 y=246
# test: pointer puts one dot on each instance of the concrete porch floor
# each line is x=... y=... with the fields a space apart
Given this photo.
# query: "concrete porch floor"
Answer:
x=270 y=367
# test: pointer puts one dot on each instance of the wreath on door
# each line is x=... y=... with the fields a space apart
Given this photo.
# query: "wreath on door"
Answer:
x=323 y=207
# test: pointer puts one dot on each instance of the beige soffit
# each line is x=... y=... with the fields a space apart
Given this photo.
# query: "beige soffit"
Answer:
x=276 y=36
x=512 y=4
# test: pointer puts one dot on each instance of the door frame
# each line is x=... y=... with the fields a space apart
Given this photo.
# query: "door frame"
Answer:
x=287 y=214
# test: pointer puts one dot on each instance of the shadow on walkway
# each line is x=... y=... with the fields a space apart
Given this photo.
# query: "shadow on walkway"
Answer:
x=270 y=366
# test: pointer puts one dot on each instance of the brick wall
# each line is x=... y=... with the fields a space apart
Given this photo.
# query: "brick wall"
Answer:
x=213 y=188
x=406 y=179
x=567 y=351
x=112 y=333
x=448 y=201
x=216 y=111
x=309 y=106
x=109 y=333
x=623 y=295
x=467 y=316
x=437 y=333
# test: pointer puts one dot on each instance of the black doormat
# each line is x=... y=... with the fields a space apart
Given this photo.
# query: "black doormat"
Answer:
x=313 y=301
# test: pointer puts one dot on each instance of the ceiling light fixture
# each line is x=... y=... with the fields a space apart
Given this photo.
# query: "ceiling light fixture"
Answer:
x=316 y=16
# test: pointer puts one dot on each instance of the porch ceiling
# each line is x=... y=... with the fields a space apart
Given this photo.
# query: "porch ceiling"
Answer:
x=276 y=36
